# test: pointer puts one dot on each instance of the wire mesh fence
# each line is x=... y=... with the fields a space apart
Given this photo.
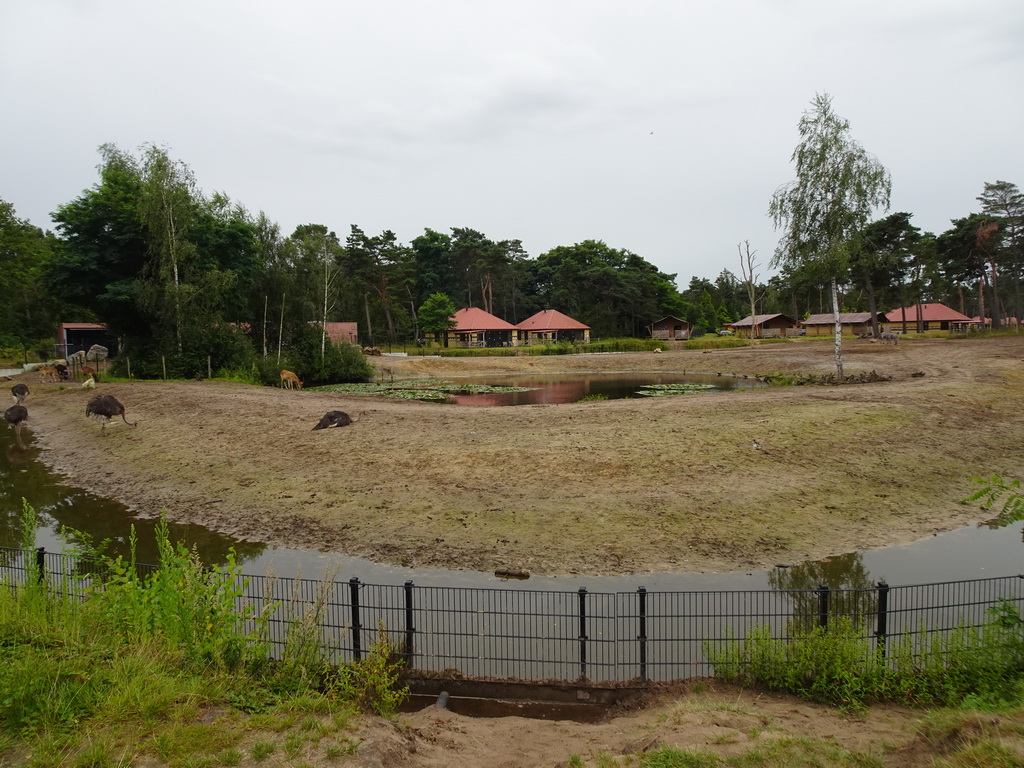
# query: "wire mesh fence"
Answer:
x=543 y=635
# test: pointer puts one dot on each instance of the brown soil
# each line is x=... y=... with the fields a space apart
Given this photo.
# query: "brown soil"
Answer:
x=619 y=486
x=622 y=486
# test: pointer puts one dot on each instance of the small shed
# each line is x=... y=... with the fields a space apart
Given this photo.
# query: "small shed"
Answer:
x=856 y=323
x=78 y=337
x=476 y=328
x=552 y=325
x=764 y=326
x=346 y=332
x=670 y=329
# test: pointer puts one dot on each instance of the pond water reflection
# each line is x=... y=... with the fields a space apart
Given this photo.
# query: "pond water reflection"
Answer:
x=560 y=388
x=967 y=553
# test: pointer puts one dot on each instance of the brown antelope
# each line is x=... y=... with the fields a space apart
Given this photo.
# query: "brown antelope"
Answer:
x=48 y=373
x=289 y=380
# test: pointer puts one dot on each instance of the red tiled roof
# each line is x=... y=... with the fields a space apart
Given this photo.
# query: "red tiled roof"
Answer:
x=933 y=312
x=475 y=319
x=551 y=320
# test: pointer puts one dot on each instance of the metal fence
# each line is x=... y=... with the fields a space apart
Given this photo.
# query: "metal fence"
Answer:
x=595 y=636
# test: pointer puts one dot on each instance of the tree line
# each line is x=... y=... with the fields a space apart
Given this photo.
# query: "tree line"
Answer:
x=182 y=275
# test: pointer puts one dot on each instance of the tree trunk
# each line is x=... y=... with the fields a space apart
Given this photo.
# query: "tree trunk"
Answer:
x=266 y=300
x=873 y=309
x=839 y=331
x=369 y=325
x=997 y=305
x=280 y=331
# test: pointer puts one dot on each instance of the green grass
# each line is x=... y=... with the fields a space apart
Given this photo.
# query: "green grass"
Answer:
x=160 y=665
x=838 y=666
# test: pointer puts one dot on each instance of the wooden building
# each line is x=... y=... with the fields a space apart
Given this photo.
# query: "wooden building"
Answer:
x=551 y=325
x=476 y=328
x=854 y=323
x=932 y=316
x=670 y=329
x=763 y=326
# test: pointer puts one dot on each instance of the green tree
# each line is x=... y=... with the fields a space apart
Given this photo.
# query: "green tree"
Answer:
x=966 y=250
x=26 y=315
x=103 y=249
x=1004 y=202
x=880 y=257
x=436 y=314
x=837 y=186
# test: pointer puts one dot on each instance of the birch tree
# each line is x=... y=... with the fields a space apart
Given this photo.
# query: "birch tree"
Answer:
x=167 y=209
x=837 y=187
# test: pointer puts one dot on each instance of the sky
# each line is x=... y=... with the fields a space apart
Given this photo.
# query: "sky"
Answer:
x=661 y=128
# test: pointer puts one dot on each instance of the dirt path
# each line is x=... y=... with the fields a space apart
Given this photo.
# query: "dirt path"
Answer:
x=623 y=486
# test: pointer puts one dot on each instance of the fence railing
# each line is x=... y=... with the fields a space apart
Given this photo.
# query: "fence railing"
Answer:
x=548 y=635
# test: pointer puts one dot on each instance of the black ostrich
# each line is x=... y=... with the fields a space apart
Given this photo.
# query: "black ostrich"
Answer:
x=16 y=416
x=19 y=392
x=335 y=419
x=105 y=407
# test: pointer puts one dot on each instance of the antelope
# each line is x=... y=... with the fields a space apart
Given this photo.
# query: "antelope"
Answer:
x=290 y=380
x=48 y=373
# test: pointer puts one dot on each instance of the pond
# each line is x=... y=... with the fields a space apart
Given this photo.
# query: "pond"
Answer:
x=967 y=553
x=549 y=389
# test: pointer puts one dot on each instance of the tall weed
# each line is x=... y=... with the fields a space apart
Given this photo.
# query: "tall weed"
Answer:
x=838 y=665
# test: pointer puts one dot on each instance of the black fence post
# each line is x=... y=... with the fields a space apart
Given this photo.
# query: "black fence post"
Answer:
x=642 y=594
x=353 y=585
x=583 y=632
x=41 y=564
x=410 y=630
x=822 y=592
x=882 y=628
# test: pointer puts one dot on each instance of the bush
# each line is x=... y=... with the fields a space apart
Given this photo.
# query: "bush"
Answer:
x=218 y=347
x=837 y=664
x=340 y=363
x=716 y=342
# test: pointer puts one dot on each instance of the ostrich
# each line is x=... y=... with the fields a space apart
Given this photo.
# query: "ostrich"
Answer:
x=16 y=416
x=19 y=392
x=335 y=419
x=104 y=408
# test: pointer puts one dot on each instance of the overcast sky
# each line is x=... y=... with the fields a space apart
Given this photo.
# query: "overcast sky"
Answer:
x=662 y=128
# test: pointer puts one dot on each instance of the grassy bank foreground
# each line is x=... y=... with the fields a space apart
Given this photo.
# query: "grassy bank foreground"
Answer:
x=156 y=670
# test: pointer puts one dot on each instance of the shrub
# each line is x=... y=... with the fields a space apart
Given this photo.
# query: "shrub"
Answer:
x=338 y=363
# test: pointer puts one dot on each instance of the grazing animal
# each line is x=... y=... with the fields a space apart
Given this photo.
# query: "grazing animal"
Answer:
x=335 y=419
x=87 y=371
x=372 y=351
x=289 y=380
x=89 y=383
x=48 y=373
x=889 y=336
x=16 y=416
x=62 y=371
x=19 y=392
x=105 y=407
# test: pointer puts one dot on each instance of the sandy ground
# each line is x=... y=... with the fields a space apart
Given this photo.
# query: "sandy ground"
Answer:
x=670 y=484
x=618 y=486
